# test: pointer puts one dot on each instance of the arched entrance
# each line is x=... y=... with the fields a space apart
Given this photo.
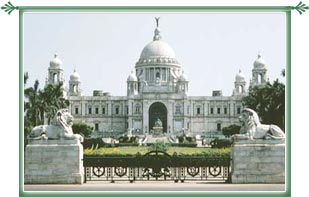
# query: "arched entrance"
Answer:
x=158 y=110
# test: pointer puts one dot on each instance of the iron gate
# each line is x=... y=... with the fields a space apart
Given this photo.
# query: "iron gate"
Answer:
x=156 y=166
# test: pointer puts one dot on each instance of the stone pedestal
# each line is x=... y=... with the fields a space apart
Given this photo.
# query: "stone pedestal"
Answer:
x=157 y=130
x=54 y=161
x=258 y=161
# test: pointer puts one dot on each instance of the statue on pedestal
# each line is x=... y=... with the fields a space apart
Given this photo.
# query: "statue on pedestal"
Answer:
x=158 y=123
x=157 y=128
x=253 y=129
x=60 y=128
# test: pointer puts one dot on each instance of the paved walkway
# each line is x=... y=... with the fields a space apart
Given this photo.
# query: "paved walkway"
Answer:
x=157 y=186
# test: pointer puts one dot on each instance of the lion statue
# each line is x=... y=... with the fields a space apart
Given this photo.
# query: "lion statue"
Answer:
x=60 y=128
x=253 y=129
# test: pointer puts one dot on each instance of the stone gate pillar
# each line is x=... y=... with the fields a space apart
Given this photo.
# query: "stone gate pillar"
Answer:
x=54 y=161
x=258 y=161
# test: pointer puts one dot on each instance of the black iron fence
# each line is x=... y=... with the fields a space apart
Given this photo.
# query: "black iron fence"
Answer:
x=156 y=166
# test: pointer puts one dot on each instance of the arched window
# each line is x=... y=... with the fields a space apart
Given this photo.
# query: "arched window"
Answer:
x=260 y=78
x=74 y=88
x=240 y=89
x=117 y=110
x=177 y=109
x=218 y=126
x=55 y=78
x=158 y=75
x=137 y=109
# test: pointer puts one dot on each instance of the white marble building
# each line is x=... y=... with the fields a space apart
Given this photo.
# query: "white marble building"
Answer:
x=157 y=88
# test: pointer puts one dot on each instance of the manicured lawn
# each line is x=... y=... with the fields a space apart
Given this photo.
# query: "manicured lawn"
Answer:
x=132 y=150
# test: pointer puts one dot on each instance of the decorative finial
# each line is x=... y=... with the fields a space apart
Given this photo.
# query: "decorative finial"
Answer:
x=259 y=54
x=239 y=70
x=55 y=55
x=157 y=21
x=157 y=35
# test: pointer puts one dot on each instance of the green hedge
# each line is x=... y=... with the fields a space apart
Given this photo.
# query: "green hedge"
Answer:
x=185 y=144
x=220 y=143
x=133 y=150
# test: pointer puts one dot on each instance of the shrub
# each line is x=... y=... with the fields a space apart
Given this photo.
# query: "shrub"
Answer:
x=230 y=130
x=82 y=128
x=181 y=139
x=186 y=144
x=159 y=146
x=220 y=143
x=126 y=139
x=93 y=142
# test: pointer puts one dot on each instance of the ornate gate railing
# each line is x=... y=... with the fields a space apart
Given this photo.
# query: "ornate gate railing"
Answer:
x=157 y=166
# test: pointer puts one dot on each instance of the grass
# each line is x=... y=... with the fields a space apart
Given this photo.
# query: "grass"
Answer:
x=132 y=150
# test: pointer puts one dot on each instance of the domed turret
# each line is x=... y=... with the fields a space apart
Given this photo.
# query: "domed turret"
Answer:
x=240 y=76
x=132 y=76
x=132 y=84
x=56 y=62
x=258 y=72
x=239 y=84
x=182 y=84
x=55 y=72
x=74 y=76
x=259 y=62
x=75 y=84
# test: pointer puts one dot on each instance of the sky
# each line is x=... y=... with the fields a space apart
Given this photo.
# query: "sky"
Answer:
x=104 y=47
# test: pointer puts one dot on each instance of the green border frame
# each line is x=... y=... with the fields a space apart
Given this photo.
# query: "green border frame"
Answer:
x=206 y=9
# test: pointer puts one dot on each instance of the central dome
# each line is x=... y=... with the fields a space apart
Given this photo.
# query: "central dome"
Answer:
x=157 y=52
x=157 y=48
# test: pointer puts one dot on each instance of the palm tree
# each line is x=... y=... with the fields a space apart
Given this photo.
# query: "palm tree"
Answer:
x=53 y=100
x=32 y=102
x=269 y=102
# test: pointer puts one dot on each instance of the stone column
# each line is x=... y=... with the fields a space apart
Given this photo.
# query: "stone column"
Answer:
x=54 y=161
x=145 y=116
x=258 y=161
x=170 y=116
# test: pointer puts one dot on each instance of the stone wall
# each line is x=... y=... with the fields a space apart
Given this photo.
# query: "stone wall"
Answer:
x=258 y=161
x=54 y=161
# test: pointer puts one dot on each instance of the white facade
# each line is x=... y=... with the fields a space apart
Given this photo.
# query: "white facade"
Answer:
x=157 y=88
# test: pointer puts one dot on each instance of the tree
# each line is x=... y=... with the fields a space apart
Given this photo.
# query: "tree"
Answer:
x=82 y=128
x=53 y=100
x=269 y=102
x=230 y=130
x=32 y=102
x=40 y=104
x=26 y=77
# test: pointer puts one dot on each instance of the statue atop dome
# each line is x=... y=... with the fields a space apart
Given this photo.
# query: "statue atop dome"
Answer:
x=157 y=35
x=157 y=21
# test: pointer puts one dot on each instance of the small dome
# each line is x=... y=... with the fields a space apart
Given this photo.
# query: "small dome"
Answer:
x=56 y=62
x=259 y=62
x=132 y=77
x=74 y=76
x=183 y=77
x=240 y=76
x=157 y=48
